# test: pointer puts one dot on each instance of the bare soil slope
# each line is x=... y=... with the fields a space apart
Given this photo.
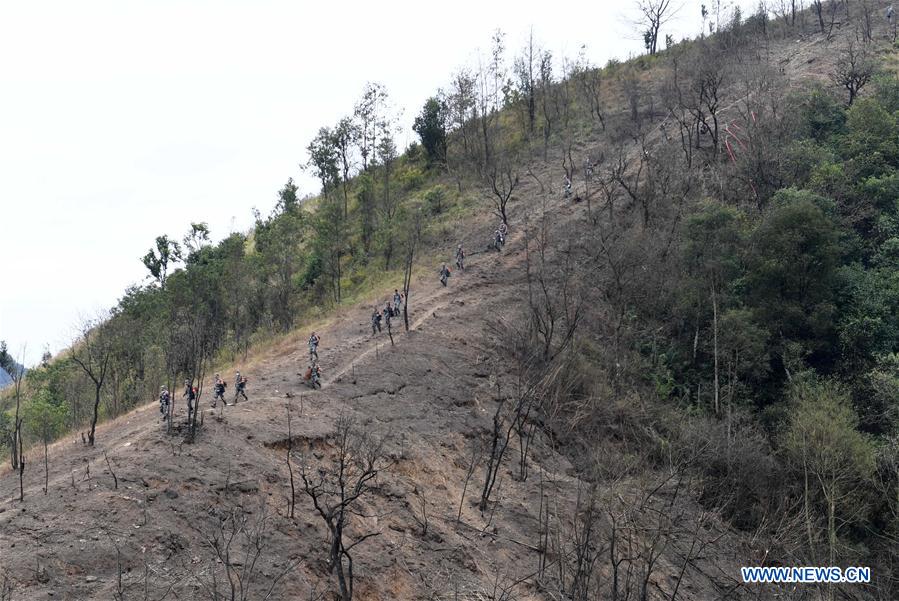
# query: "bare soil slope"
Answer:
x=431 y=395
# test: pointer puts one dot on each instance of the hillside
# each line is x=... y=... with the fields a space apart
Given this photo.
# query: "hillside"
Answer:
x=431 y=396
x=688 y=366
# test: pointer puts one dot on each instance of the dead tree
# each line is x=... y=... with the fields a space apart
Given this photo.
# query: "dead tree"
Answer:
x=589 y=80
x=503 y=181
x=655 y=13
x=546 y=84
x=473 y=461
x=18 y=453
x=18 y=375
x=786 y=10
x=6 y=589
x=574 y=544
x=111 y=472
x=419 y=510
x=854 y=69
x=674 y=97
x=412 y=241
x=627 y=172
x=832 y=7
x=92 y=354
x=554 y=300
x=237 y=541
x=499 y=441
x=336 y=485
x=21 y=463
x=293 y=490
x=501 y=435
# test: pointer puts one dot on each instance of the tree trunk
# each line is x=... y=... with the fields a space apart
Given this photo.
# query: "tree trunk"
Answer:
x=90 y=438
x=21 y=464
x=15 y=438
x=46 y=468
x=715 y=345
x=14 y=450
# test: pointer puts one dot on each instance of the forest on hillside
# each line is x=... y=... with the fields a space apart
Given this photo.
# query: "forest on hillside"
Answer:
x=726 y=309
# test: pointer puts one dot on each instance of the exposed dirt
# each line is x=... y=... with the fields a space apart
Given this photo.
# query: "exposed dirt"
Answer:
x=431 y=394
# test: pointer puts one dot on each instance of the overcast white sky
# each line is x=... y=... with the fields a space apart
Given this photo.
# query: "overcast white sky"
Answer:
x=123 y=120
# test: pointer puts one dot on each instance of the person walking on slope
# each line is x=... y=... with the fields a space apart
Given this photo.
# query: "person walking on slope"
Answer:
x=314 y=375
x=164 y=399
x=444 y=274
x=218 y=391
x=498 y=240
x=313 y=346
x=460 y=258
x=567 y=190
x=375 y=322
x=388 y=315
x=190 y=393
x=240 y=387
x=397 y=301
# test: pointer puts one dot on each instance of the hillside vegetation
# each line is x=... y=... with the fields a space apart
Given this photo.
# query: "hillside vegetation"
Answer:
x=689 y=364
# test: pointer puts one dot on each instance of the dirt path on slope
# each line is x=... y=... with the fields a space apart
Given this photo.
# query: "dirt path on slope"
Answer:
x=431 y=395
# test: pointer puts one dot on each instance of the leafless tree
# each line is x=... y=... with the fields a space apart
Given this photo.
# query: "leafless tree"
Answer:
x=786 y=10
x=866 y=25
x=503 y=180
x=490 y=79
x=654 y=15
x=572 y=540
x=6 y=588
x=17 y=449
x=111 y=472
x=92 y=353
x=368 y=114
x=418 y=509
x=336 y=485
x=590 y=84
x=554 y=300
x=237 y=541
x=462 y=148
x=499 y=441
x=526 y=69
x=413 y=239
x=633 y=92
x=293 y=492
x=546 y=104
x=474 y=459
x=674 y=97
x=831 y=10
x=853 y=70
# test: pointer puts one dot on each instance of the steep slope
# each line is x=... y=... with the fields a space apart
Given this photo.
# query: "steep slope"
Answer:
x=151 y=533
x=430 y=396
